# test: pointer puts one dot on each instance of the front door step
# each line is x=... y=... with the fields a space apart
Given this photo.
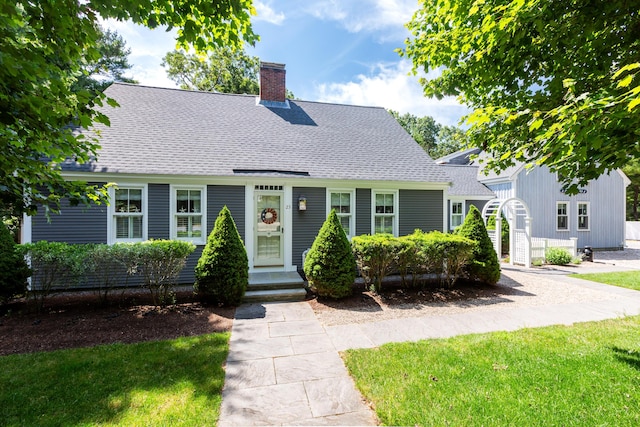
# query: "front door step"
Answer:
x=275 y=286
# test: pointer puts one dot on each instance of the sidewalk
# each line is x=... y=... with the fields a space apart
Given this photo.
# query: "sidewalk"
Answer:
x=284 y=368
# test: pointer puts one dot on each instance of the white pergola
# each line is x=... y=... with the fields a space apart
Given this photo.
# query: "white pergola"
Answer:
x=517 y=214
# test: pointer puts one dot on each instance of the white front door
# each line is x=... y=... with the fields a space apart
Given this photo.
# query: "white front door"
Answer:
x=268 y=230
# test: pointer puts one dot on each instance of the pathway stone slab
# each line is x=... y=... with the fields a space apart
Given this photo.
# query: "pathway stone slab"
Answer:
x=345 y=337
x=246 y=348
x=307 y=367
x=333 y=396
x=249 y=373
x=316 y=343
x=295 y=327
x=271 y=405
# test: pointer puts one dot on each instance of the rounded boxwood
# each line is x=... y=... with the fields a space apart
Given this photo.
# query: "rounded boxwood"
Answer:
x=558 y=256
x=222 y=272
x=330 y=267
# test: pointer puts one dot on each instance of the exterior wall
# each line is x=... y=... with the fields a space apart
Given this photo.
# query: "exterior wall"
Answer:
x=540 y=190
x=306 y=224
x=363 y=211
x=420 y=209
x=503 y=190
x=159 y=211
x=74 y=224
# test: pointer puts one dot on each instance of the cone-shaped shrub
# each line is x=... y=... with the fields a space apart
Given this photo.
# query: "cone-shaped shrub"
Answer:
x=13 y=268
x=484 y=267
x=222 y=273
x=329 y=266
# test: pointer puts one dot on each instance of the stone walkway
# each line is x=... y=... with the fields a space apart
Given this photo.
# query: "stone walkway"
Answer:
x=284 y=368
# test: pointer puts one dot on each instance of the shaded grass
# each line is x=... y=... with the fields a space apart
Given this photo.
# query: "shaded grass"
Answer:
x=624 y=279
x=586 y=374
x=173 y=382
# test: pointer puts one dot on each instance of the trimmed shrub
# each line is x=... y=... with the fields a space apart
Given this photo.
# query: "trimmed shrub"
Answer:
x=376 y=257
x=329 y=266
x=222 y=273
x=445 y=255
x=13 y=268
x=55 y=266
x=407 y=261
x=558 y=256
x=110 y=267
x=160 y=262
x=484 y=266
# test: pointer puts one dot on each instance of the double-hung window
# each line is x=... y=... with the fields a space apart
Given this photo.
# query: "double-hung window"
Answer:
x=583 y=216
x=343 y=202
x=457 y=214
x=385 y=212
x=562 y=216
x=128 y=214
x=188 y=219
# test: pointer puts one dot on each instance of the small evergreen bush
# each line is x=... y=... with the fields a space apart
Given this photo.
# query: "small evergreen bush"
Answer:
x=13 y=268
x=558 y=256
x=329 y=266
x=222 y=273
x=484 y=266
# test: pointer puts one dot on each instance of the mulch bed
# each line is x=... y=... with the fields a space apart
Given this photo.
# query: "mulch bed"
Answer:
x=72 y=320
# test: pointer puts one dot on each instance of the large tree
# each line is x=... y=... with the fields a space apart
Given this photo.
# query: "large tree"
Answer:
x=44 y=46
x=551 y=82
x=110 y=66
x=222 y=70
x=436 y=139
x=632 y=170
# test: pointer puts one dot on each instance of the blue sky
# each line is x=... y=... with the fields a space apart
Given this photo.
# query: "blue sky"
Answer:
x=334 y=51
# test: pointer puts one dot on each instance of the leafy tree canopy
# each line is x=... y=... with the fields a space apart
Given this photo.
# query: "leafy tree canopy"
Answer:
x=222 y=70
x=45 y=46
x=437 y=140
x=551 y=82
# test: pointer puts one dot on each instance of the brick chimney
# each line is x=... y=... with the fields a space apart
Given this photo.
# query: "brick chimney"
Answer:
x=272 y=83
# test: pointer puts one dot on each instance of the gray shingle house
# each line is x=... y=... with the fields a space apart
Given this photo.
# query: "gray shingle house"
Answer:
x=279 y=165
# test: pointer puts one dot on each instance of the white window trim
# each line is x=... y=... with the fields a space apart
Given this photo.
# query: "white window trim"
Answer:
x=396 y=210
x=173 y=232
x=588 y=216
x=352 y=192
x=111 y=229
x=568 y=215
x=464 y=210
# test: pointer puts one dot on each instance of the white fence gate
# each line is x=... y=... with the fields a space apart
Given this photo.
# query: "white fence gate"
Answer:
x=517 y=214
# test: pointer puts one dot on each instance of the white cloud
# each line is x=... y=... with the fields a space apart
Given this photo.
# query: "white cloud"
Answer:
x=366 y=15
x=266 y=13
x=390 y=86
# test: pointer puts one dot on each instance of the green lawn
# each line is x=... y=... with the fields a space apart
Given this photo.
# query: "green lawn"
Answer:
x=624 y=279
x=175 y=382
x=584 y=375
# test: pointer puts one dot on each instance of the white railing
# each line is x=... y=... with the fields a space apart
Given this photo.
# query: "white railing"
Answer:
x=539 y=246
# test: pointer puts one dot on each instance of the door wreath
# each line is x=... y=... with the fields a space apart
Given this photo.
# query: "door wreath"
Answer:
x=269 y=215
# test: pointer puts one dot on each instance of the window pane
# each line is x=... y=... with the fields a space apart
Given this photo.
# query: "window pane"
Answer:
x=583 y=222
x=136 y=227
x=135 y=200
x=196 y=226
x=345 y=221
x=335 y=201
x=582 y=209
x=182 y=226
x=182 y=201
x=562 y=223
x=345 y=199
x=195 y=201
x=456 y=220
x=122 y=227
x=562 y=209
x=384 y=224
x=128 y=227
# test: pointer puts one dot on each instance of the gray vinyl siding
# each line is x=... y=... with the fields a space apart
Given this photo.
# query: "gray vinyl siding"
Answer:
x=233 y=196
x=159 y=214
x=363 y=211
x=306 y=224
x=74 y=224
x=420 y=209
x=540 y=190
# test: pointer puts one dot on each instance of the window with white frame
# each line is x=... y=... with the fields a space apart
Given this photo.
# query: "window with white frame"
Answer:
x=188 y=216
x=457 y=214
x=128 y=212
x=343 y=201
x=583 y=216
x=385 y=212
x=562 y=216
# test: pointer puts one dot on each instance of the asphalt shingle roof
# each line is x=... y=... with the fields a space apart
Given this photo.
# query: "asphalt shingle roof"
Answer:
x=178 y=132
x=464 y=181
